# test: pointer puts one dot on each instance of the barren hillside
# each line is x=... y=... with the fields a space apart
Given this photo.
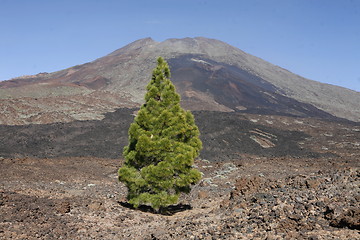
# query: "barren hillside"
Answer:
x=210 y=75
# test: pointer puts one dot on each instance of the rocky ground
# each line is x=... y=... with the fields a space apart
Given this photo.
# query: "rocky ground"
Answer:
x=253 y=198
x=307 y=188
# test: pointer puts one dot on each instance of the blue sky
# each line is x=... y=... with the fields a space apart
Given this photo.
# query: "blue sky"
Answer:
x=317 y=39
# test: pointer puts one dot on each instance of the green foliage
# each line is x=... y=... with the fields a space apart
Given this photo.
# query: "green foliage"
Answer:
x=163 y=143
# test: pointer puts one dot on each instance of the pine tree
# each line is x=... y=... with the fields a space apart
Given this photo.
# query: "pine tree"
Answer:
x=163 y=143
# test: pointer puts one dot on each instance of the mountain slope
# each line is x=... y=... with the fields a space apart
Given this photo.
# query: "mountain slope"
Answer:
x=209 y=74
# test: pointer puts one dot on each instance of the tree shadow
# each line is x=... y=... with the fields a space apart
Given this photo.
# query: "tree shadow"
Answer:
x=167 y=211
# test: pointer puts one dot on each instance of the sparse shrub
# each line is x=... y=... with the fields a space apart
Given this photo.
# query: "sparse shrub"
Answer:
x=163 y=143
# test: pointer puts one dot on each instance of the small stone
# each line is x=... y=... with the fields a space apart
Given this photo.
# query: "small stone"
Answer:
x=203 y=194
x=295 y=217
x=63 y=207
x=349 y=219
x=96 y=206
x=312 y=183
x=239 y=210
x=320 y=204
x=110 y=195
x=313 y=238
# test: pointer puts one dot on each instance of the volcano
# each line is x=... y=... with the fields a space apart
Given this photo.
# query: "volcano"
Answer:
x=209 y=74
